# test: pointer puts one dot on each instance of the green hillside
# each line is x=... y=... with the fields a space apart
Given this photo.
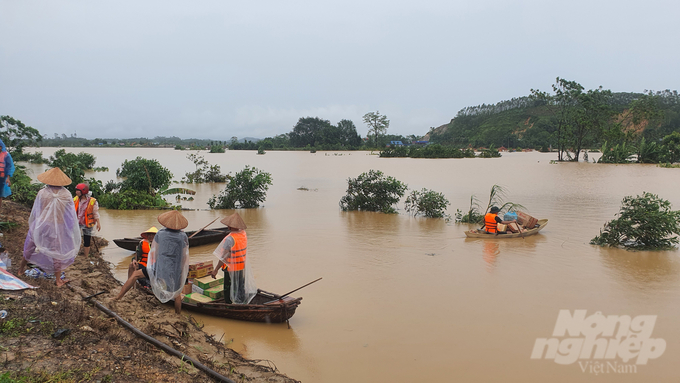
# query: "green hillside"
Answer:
x=534 y=121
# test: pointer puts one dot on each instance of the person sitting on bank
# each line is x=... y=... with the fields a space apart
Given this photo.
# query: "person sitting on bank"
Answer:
x=87 y=210
x=168 y=262
x=137 y=269
x=491 y=221
x=239 y=284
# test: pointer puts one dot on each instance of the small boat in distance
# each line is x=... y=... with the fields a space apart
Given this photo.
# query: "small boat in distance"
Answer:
x=483 y=234
x=203 y=238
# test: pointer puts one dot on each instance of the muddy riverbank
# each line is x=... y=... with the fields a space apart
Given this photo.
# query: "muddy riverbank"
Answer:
x=52 y=334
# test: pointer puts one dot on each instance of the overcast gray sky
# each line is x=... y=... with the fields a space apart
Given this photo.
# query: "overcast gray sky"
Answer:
x=217 y=69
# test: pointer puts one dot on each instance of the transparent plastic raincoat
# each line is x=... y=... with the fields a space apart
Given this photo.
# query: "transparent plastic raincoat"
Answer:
x=239 y=279
x=168 y=263
x=53 y=238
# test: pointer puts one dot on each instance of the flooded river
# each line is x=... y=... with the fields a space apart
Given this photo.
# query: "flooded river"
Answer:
x=407 y=299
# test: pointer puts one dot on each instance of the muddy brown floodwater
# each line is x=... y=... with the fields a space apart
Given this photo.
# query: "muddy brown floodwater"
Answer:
x=411 y=299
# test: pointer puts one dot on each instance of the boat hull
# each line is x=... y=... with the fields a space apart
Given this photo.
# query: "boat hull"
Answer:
x=203 y=238
x=482 y=234
x=275 y=312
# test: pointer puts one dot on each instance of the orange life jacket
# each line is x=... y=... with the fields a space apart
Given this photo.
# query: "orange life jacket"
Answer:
x=3 y=156
x=89 y=212
x=236 y=261
x=490 y=222
x=146 y=247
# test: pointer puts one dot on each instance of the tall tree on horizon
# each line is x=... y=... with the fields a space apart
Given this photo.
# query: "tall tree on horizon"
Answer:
x=377 y=125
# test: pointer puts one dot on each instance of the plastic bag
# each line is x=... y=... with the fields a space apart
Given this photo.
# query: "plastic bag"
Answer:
x=5 y=260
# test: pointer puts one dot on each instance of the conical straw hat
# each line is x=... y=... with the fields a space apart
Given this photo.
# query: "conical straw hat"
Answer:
x=234 y=221
x=54 y=177
x=173 y=220
x=152 y=230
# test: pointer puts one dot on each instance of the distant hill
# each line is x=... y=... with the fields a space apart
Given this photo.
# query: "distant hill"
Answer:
x=528 y=123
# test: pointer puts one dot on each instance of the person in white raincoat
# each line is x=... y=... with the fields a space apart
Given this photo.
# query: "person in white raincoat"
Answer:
x=239 y=284
x=53 y=238
x=168 y=261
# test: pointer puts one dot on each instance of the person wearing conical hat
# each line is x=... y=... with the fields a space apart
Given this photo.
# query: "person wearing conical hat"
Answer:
x=137 y=269
x=168 y=262
x=53 y=238
x=239 y=284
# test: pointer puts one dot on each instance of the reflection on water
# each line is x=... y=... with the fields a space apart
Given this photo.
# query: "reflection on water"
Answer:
x=642 y=269
x=411 y=299
x=491 y=251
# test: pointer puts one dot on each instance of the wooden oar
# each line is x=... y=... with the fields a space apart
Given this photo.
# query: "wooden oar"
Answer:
x=201 y=229
x=290 y=292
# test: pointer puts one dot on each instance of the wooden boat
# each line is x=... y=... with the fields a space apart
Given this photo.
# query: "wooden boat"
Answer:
x=203 y=238
x=483 y=234
x=264 y=307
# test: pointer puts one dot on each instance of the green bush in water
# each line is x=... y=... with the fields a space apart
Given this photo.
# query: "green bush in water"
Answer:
x=131 y=200
x=246 y=189
x=373 y=191
x=645 y=222
x=429 y=203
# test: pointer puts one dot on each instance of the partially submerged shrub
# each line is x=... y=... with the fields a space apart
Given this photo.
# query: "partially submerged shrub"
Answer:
x=473 y=215
x=131 y=200
x=491 y=152
x=144 y=174
x=246 y=189
x=645 y=222
x=617 y=154
x=426 y=202
x=205 y=173
x=373 y=191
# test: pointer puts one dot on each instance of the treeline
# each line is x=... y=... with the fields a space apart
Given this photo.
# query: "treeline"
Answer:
x=568 y=120
x=314 y=133
x=74 y=141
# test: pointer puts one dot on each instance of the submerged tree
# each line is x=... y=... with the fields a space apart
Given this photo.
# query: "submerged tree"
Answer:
x=246 y=189
x=204 y=173
x=373 y=191
x=429 y=203
x=645 y=222
x=144 y=174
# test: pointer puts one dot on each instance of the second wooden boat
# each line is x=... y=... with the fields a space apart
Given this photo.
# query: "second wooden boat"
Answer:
x=483 y=234
x=203 y=238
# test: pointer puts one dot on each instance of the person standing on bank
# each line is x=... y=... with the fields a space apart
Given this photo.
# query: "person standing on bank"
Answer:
x=168 y=261
x=239 y=284
x=87 y=210
x=53 y=238
x=6 y=171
